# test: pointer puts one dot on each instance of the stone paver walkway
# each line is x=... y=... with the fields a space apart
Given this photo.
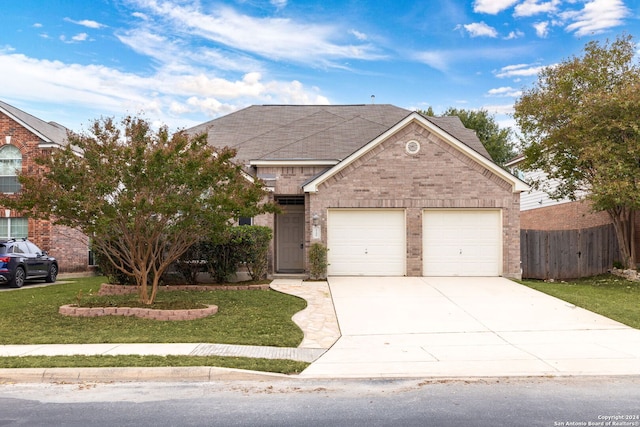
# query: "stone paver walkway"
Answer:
x=318 y=320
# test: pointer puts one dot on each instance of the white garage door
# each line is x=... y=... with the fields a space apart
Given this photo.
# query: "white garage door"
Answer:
x=366 y=242
x=462 y=242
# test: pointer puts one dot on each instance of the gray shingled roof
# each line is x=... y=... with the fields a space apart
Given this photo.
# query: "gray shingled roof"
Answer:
x=453 y=126
x=49 y=131
x=314 y=132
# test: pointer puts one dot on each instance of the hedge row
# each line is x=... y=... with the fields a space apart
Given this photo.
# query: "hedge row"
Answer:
x=245 y=245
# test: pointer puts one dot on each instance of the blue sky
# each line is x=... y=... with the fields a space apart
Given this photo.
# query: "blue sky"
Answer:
x=183 y=62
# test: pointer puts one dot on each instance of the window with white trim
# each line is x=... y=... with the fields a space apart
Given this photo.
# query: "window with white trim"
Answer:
x=10 y=164
x=14 y=228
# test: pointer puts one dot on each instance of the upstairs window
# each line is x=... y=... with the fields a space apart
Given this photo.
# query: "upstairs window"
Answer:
x=10 y=164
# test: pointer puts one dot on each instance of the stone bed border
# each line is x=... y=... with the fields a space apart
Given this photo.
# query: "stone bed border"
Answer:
x=151 y=313
x=145 y=313
x=107 y=289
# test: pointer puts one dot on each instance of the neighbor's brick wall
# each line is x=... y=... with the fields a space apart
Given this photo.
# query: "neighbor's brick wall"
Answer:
x=72 y=254
x=563 y=216
x=440 y=177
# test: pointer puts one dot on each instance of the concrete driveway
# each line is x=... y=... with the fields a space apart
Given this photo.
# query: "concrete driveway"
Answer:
x=452 y=327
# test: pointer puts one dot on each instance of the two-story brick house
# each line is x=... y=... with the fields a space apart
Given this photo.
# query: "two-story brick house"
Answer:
x=387 y=190
x=22 y=138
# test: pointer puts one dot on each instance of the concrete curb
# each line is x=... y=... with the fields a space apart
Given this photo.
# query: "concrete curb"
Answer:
x=160 y=374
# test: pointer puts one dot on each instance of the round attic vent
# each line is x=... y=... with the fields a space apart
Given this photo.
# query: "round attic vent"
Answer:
x=412 y=147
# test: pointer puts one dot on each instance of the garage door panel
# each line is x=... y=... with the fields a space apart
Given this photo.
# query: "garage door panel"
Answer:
x=462 y=243
x=366 y=242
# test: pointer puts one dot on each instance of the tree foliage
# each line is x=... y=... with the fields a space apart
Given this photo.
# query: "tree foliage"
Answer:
x=143 y=196
x=581 y=127
x=498 y=141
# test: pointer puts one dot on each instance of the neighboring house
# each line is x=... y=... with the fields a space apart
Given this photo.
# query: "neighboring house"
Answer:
x=541 y=212
x=22 y=138
x=387 y=190
x=578 y=241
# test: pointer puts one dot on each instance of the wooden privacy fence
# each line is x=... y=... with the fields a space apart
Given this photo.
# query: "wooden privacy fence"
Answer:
x=568 y=254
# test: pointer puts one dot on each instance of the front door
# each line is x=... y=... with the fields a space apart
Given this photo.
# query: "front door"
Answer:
x=290 y=239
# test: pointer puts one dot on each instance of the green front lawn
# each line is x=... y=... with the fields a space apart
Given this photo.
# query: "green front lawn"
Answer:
x=30 y=316
x=608 y=295
x=255 y=317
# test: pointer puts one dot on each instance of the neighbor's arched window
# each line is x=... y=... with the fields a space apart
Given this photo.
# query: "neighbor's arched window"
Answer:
x=10 y=164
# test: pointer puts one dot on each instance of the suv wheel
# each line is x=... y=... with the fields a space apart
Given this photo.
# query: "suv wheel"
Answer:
x=18 y=278
x=52 y=274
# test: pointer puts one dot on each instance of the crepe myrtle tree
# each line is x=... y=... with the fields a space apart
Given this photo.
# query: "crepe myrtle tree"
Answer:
x=580 y=126
x=144 y=196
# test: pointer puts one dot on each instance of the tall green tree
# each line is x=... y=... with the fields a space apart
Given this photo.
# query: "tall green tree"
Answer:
x=581 y=126
x=498 y=141
x=143 y=196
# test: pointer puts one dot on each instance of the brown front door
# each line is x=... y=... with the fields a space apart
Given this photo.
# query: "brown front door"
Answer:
x=290 y=239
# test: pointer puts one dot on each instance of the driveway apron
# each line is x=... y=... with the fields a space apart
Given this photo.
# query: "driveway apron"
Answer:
x=468 y=327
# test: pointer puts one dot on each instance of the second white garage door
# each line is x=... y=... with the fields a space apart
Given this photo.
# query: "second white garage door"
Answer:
x=462 y=242
x=366 y=242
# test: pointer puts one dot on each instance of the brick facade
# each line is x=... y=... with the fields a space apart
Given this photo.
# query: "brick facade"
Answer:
x=563 y=216
x=72 y=253
x=439 y=176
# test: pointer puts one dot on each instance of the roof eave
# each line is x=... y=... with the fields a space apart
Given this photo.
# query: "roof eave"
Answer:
x=294 y=162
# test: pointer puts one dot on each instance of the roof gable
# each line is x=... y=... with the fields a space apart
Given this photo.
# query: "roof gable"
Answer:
x=517 y=184
x=49 y=132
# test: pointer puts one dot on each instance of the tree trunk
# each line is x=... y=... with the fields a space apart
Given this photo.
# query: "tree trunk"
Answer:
x=143 y=292
x=624 y=225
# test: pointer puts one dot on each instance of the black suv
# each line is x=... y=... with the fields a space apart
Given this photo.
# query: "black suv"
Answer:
x=21 y=260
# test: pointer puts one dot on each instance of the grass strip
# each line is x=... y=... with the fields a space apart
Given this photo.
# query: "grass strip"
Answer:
x=609 y=295
x=253 y=364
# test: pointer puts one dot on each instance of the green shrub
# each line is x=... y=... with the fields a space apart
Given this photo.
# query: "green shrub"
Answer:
x=224 y=258
x=253 y=244
x=194 y=261
x=244 y=245
x=113 y=274
x=318 y=261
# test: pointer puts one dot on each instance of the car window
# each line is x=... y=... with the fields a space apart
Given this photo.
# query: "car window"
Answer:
x=33 y=248
x=20 y=248
x=3 y=249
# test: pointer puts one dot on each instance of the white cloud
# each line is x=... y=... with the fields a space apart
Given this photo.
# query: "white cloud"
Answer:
x=535 y=7
x=80 y=37
x=86 y=23
x=140 y=15
x=596 y=17
x=499 y=109
x=169 y=95
x=518 y=70
x=514 y=35
x=506 y=91
x=435 y=59
x=37 y=25
x=175 y=54
x=279 y=38
x=360 y=36
x=492 y=7
x=480 y=29
x=279 y=3
x=542 y=29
